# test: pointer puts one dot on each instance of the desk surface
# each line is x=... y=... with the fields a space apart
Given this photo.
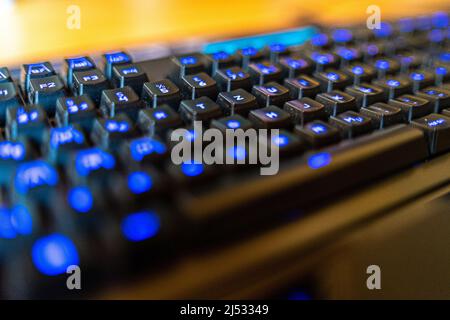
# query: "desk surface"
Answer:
x=34 y=30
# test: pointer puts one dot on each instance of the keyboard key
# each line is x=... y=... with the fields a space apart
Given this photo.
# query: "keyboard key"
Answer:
x=394 y=87
x=33 y=71
x=9 y=98
x=113 y=59
x=109 y=133
x=201 y=109
x=305 y=110
x=271 y=93
x=270 y=117
x=12 y=153
x=263 y=72
x=421 y=79
x=332 y=80
x=232 y=122
x=385 y=67
x=158 y=120
x=90 y=82
x=76 y=64
x=130 y=75
x=157 y=93
x=29 y=121
x=437 y=132
x=383 y=115
x=288 y=144
x=342 y=36
x=318 y=133
x=276 y=51
x=144 y=150
x=233 y=78
x=324 y=60
x=122 y=100
x=303 y=86
x=5 y=75
x=237 y=101
x=186 y=65
x=90 y=166
x=80 y=110
x=60 y=141
x=219 y=60
x=439 y=98
x=189 y=173
x=249 y=55
x=45 y=92
x=336 y=102
x=199 y=85
x=295 y=66
x=359 y=72
x=365 y=94
x=413 y=107
x=441 y=74
x=348 y=55
x=352 y=124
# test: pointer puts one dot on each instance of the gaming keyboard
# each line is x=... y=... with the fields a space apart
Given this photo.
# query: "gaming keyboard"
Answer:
x=85 y=167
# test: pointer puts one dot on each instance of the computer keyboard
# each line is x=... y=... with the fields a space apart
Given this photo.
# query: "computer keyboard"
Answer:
x=85 y=168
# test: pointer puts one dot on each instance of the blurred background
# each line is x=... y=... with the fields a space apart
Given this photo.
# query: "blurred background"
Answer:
x=32 y=30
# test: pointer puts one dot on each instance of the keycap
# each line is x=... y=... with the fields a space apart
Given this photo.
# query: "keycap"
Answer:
x=318 y=134
x=201 y=109
x=440 y=98
x=219 y=60
x=413 y=107
x=371 y=50
x=271 y=93
x=332 y=80
x=336 y=102
x=383 y=115
x=365 y=94
x=352 y=124
x=359 y=72
x=90 y=166
x=232 y=122
x=385 y=67
x=295 y=66
x=342 y=36
x=264 y=71
x=324 y=60
x=394 y=86
x=199 y=85
x=143 y=150
x=112 y=59
x=45 y=92
x=237 y=101
x=121 y=100
x=29 y=121
x=441 y=74
x=409 y=60
x=320 y=41
x=9 y=98
x=372 y=156
x=33 y=71
x=277 y=51
x=189 y=173
x=421 y=79
x=71 y=110
x=248 y=55
x=270 y=117
x=302 y=86
x=76 y=64
x=157 y=93
x=109 y=133
x=437 y=132
x=12 y=153
x=130 y=75
x=59 y=142
x=90 y=82
x=233 y=78
x=288 y=144
x=158 y=120
x=187 y=64
x=5 y=75
x=305 y=110
x=348 y=55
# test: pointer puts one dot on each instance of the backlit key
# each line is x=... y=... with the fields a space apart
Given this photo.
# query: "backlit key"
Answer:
x=45 y=92
x=9 y=98
x=33 y=71
x=336 y=102
x=440 y=98
x=237 y=101
x=303 y=86
x=76 y=64
x=90 y=82
x=318 y=134
x=352 y=124
x=29 y=121
x=199 y=85
x=121 y=100
x=263 y=72
x=130 y=75
x=383 y=115
x=270 y=117
x=70 y=110
x=365 y=94
x=413 y=107
x=233 y=78
x=157 y=93
x=437 y=131
x=109 y=133
x=305 y=110
x=271 y=93
x=113 y=59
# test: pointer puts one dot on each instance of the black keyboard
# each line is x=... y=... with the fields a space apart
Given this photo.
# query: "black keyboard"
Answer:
x=85 y=167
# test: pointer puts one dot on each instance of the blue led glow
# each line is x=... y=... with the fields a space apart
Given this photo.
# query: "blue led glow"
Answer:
x=117 y=57
x=190 y=135
x=271 y=115
x=12 y=150
x=319 y=40
x=440 y=20
x=24 y=117
x=372 y=49
x=441 y=71
x=80 y=199
x=139 y=182
x=249 y=51
x=80 y=63
x=436 y=123
x=333 y=76
x=117 y=126
x=406 y=24
x=351 y=119
x=382 y=64
x=299 y=296
x=295 y=63
x=6 y=228
x=384 y=31
x=266 y=69
x=322 y=58
x=417 y=76
x=277 y=47
x=364 y=89
x=139 y=148
x=140 y=226
x=93 y=159
x=233 y=124
x=38 y=68
x=304 y=82
x=436 y=35
x=319 y=160
x=281 y=140
x=342 y=35
x=72 y=107
x=221 y=55
x=237 y=152
x=188 y=60
x=65 y=135
x=347 y=53
x=129 y=70
x=235 y=75
x=445 y=57
x=192 y=169
x=393 y=83
x=30 y=175
x=318 y=128
x=21 y=220
x=52 y=254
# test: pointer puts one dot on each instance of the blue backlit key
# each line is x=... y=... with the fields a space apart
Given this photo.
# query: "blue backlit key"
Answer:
x=270 y=117
x=233 y=78
x=440 y=98
x=294 y=66
x=412 y=106
x=90 y=166
x=12 y=153
x=157 y=93
x=33 y=71
x=158 y=120
x=303 y=86
x=76 y=64
x=332 y=80
x=383 y=115
x=201 y=109
x=288 y=144
x=385 y=67
x=264 y=71
x=394 y=86
x=233 y=122
x=60 y=141
x=421 y=79
x=113 y=59
x=337 y=102
x=188 y=173
x=342 y=36
x=271 y=93
x=441 y=74
x=5 y=75
x=121 y=100
x=199 y=85
x=187 y=64
x=219 y=60
x=277 y=51
x=318 y=133
x=237 y=101
x=29 y=121
x=9 y=97
x=109 y=133
x=143 y=150
x=80 y=110
x=352 y=124
x=45 y=92
x=248 y=55
x=359 y=72
x=130 y=75
x=90 y=82
x=324 y=60
x=348 y=55
x=366 y=94
x=305 y=110
x=437 y=131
